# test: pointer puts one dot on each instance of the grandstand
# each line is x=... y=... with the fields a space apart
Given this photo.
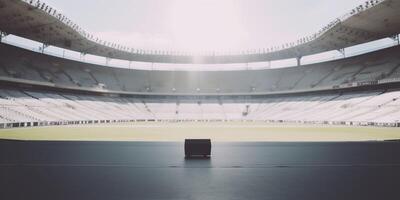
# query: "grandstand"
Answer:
x=61 y=73
x=39 y=89
x=296 y=94
x=25 y=108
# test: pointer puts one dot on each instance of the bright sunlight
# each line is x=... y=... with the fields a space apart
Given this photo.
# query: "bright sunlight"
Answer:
x=207 y=25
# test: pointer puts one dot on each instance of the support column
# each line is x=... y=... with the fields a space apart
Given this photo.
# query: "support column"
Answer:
x=108 y=61
x=2 y=35
x=298 y=59
x=396 y=38
x=43 y=47
x=343 y=52
x=82 y=56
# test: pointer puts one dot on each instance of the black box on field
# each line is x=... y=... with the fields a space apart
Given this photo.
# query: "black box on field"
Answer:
x=197 y=147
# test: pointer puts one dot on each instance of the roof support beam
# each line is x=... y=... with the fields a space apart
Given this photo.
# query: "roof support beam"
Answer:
x=396 y=38
x=82 y=56
x=298 y=59
x=343 y=52
x=2 y=35
x=108 y=61
x=43 y=47
x=130 y=63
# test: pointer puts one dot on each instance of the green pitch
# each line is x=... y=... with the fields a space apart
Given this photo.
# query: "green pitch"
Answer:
x=217 y=131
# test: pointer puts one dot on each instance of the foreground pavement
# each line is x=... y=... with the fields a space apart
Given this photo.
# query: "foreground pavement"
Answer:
x=158 y=170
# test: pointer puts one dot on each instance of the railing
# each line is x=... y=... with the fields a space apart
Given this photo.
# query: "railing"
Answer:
x=62 y=18
x=85 y=122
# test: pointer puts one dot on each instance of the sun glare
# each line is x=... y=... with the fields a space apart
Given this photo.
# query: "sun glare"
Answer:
x=207 y=25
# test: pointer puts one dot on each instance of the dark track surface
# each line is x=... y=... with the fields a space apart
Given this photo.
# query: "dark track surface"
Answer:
x=153 y=170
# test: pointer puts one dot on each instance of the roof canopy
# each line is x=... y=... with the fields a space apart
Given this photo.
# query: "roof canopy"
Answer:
x=37 y=21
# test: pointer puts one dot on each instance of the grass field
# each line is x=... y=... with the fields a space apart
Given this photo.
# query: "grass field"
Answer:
x=237 y=131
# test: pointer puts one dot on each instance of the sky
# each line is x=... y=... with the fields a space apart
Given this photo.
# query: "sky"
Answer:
x=203 y=25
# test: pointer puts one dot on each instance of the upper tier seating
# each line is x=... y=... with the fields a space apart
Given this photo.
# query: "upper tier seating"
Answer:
x=380 y=65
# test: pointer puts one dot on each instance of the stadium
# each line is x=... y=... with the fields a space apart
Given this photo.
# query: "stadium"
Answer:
x=113 y=127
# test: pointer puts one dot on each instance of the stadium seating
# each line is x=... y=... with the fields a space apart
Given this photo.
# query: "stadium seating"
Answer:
x=41 y=68
x=26 y=107
x=363 y=108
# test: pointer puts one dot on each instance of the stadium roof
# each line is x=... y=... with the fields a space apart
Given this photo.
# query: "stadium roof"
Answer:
x=37 y=21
